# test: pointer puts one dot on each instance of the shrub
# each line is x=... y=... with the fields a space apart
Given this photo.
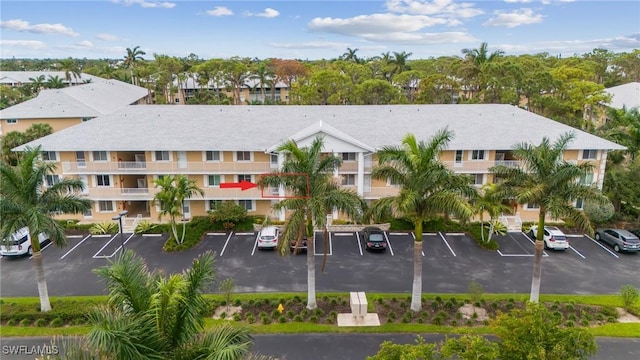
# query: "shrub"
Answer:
x=11 y=322
x=40 y=323
x=25 y=322
x=145 y=227
x=102 y=228
x=265 y=320
x=57 y=322
x=229 y=212
x=629 y=296
x=313 y=319
x=282 y=319
x=297 y=318
x=437 y=321
x=236 y=317
x=250 y=319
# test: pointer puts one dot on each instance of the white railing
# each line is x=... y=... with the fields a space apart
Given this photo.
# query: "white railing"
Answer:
x=169 y=167
x=113 y=193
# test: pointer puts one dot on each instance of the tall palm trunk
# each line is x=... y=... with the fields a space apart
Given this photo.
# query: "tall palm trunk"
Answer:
x=537 y=259
x=311 y=273
x=43 y=293
x=416 y=291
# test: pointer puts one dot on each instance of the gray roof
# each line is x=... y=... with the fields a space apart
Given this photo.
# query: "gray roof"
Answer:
x=627 y=95
x=85 y=100
x=23 y=77
x=257 y=128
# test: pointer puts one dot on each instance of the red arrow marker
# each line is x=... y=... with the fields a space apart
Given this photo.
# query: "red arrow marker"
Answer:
x=243 y=185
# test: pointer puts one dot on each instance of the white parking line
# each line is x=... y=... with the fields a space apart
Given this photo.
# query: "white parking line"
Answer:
x=343 y=234
x=255 y=245
x=388 y=243
x=414 y=239
x=96 y=256
x=73 y=236
x=314 y=245
x=244 y=233
x=226 y=242
x=73 y=248
x=514 y=255
x=576 y=251
x=117 y=249
x=359 y=243
x=597 y=243
x=445 y=241
x=213 y=234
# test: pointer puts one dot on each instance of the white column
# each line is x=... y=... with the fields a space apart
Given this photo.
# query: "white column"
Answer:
x=360 y=176
x=603 y=165
x=335 y=171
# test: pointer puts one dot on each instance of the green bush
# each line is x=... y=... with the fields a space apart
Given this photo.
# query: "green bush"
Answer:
x=40 y=323
x=102 y=228
x=57 y=322
x=25 y=322
x=145 y=227
x=229 y=211
x=629 y=296
x=11 y=322
x=474 y=230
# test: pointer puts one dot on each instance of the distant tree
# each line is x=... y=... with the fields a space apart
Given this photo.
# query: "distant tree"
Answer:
x=131 y=60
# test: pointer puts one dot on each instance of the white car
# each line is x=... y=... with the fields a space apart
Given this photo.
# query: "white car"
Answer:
x=553 y=237
x=268 y=238
x=20 y=243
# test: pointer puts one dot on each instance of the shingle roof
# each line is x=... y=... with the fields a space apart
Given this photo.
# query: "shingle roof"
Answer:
x=627 y=95
x=257 y=128
x=86 y=100
x=23 y=77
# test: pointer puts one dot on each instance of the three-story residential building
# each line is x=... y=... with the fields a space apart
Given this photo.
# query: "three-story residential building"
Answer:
x=119 y=155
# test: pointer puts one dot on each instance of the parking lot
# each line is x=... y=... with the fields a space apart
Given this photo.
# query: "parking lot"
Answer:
x=450 y=262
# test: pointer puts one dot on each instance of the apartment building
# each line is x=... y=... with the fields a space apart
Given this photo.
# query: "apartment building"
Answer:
x=66 y=107
x=252 y=91
x=625 y=96
x=120 y=154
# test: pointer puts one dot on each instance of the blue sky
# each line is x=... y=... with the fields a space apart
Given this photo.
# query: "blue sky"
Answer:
x=305 y=29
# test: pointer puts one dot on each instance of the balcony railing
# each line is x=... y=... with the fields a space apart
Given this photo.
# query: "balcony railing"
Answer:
x=169 y=167
x=113 y=193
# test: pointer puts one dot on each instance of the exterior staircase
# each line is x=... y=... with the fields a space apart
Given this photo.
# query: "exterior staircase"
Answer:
x=129 y=224
x=512 y=222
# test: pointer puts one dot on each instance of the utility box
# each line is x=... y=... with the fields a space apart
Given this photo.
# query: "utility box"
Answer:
x=358 y=304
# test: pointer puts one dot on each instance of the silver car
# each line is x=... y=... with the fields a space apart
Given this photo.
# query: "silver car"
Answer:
x=619 y=239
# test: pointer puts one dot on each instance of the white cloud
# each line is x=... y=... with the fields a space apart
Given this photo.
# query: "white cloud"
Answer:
x=422 y=38
x=84 y=44
x=311 y=45
x=24 y=26
x=146 y=4
x=443 y=8
x=518 y=1
x=27 y=44
x=220 y=11
x=107 y=37
x=267 y=13
x=514 y=18
x=375 y=24
x=570 y=47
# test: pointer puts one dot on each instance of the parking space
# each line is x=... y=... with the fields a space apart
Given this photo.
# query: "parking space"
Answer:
x=593 y=249
x=515 y=244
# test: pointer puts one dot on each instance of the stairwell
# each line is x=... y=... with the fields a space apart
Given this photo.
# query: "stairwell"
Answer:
x=513 y=223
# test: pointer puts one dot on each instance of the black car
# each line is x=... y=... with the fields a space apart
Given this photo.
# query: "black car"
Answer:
x=373 y=238
x=302 y=248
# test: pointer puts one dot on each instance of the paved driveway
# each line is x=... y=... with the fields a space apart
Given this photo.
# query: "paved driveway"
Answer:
x=450 y=262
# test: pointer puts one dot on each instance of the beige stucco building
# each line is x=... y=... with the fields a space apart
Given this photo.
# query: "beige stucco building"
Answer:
x=120 y=154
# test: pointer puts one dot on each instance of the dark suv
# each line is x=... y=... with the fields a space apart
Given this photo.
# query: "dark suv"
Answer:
x=301 y=248
x=373 y=238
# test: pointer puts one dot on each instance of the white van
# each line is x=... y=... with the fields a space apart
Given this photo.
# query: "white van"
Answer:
x=20 y=243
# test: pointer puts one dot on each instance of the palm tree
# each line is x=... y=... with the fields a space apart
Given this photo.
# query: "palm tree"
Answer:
x=264 y=74
x=70 y=69
x=153 y=316
x=477 y=59
x=37 y=83
x=547 y=180
x=350 y=55
x=25 y=201
x=399 y=61
x=427 y=188
x=490 y=201
x=173 y=192
x=55 y=82
x=131 y=59
x=313 y=196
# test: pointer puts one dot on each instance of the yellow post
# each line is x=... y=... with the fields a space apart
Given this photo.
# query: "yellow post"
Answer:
x=280 y=308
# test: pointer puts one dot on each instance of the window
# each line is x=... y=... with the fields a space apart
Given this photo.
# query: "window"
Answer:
x=589 y=154
x=586 y=179
x=214 y=204
x=477 y=155
x=393 y=183
x=105 y=206
x=100 y=156
x=103 y=180
x=532 y=206
x=478 y=179
x=243 y=155
x=52 y=179
x=80 y=159
x=274 y=159
x=49 y=156
x=247 y=204
x=458 y=156
x=244 y=177
x=160 y=177
x=88 y=212
x=349 y=179
x=213 y=180
x=162 y=156
x=348 y=156
x=12 y=121
x=579 y=204
x=213 y=155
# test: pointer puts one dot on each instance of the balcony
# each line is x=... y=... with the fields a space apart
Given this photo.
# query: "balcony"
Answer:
x=479 y=166
x=141 y=194
x=168 y=167
x=381 y=191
